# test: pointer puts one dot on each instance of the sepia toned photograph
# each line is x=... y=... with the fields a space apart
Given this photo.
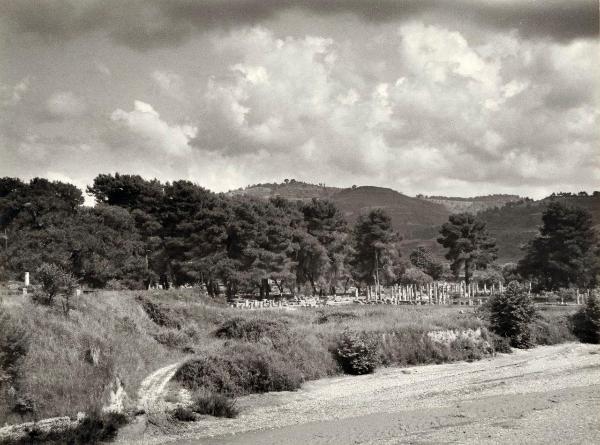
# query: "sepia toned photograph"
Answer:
x=311 y=222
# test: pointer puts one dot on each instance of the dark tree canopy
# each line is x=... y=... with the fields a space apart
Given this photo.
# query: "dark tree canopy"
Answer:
x=566 y=252
x=375 y=248
x=423 y=259
x=468 y=242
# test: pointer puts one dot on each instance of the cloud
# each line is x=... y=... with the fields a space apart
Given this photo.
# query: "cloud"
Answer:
x=64 y=105
x=145 y=24
x=143 y=129
x=169 y=83
x=12 y=95
x=457 y=113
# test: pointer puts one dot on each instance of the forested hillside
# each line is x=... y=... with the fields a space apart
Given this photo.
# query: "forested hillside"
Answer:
x=516 y=223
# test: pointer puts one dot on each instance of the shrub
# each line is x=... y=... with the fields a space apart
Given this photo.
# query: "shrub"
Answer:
x=356 y=353
x=159 y=314
x=511 y=314
x=14 y=344
x=586 y=322
x=253 y=329
x=500 y=344
x=214 y=404
x=549 y=329
x=56 y=281
x=171 y=338
x=183 y=414
x=241 y=369
x=336 y=317
x=93 y=429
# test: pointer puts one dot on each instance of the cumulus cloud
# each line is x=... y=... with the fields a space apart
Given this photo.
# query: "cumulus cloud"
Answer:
x=65 y=104
x=143 y=128
x=457 y=113
x=145 y=24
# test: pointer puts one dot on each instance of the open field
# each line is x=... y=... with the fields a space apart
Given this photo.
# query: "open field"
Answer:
x=549 y=394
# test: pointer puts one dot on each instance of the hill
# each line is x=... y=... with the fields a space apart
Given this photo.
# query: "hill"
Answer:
x=516 y=223
x=512 y=220
x=289 y=189
x=414 y=218
x=471 y=205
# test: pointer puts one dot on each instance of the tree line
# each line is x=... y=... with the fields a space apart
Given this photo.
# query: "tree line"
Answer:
x=143 y=231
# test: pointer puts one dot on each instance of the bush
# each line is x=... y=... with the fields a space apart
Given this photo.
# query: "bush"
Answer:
x=183 y=414
x=160 y=315
x=336 y=317
x=14 y=344
x=171 y=338
x=253 y=329
x=55 y=281
x=356 y=353
x=548 y=329
x=241 y=369
x=511 y=315
x=95 y=428
x=500 y=344
x=214 y=404
x=586 y=322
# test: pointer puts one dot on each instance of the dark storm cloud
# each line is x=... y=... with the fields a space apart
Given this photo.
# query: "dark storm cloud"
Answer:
x=149 y=23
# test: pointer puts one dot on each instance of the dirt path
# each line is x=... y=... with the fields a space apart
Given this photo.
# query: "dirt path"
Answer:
x=545 y=395
x=150 y=394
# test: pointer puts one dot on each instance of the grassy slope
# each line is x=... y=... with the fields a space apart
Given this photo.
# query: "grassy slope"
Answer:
x=57 y=375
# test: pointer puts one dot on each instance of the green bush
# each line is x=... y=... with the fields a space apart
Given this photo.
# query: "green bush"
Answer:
x=586 y=322
x=214 y=404
x=356 y=353
x=511 y=315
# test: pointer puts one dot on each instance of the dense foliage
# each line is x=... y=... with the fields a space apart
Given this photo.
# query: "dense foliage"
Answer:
x=566 y=252
x=586 y=322
x=468 y=242
x=143 y=232
x=511 y=315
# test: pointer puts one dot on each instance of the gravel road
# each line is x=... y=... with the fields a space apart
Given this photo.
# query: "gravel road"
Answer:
x=546 y=395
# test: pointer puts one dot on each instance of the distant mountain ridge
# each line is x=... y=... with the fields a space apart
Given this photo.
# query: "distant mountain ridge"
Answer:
x=511 y=219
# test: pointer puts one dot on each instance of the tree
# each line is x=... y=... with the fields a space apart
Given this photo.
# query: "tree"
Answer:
x=511 y=314
x=376 y=248
x=55 y=281
x=469 y=244
x=413 y=275
x=586 y=322
x=565 y=253
x=423 y=259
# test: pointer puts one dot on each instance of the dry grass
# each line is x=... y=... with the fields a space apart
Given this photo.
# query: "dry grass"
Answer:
x=294 y=347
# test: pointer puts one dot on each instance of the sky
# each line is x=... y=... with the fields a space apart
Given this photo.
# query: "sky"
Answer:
x=456 y=98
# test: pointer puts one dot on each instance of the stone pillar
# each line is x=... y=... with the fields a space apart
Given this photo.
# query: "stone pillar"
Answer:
x=26 y=279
